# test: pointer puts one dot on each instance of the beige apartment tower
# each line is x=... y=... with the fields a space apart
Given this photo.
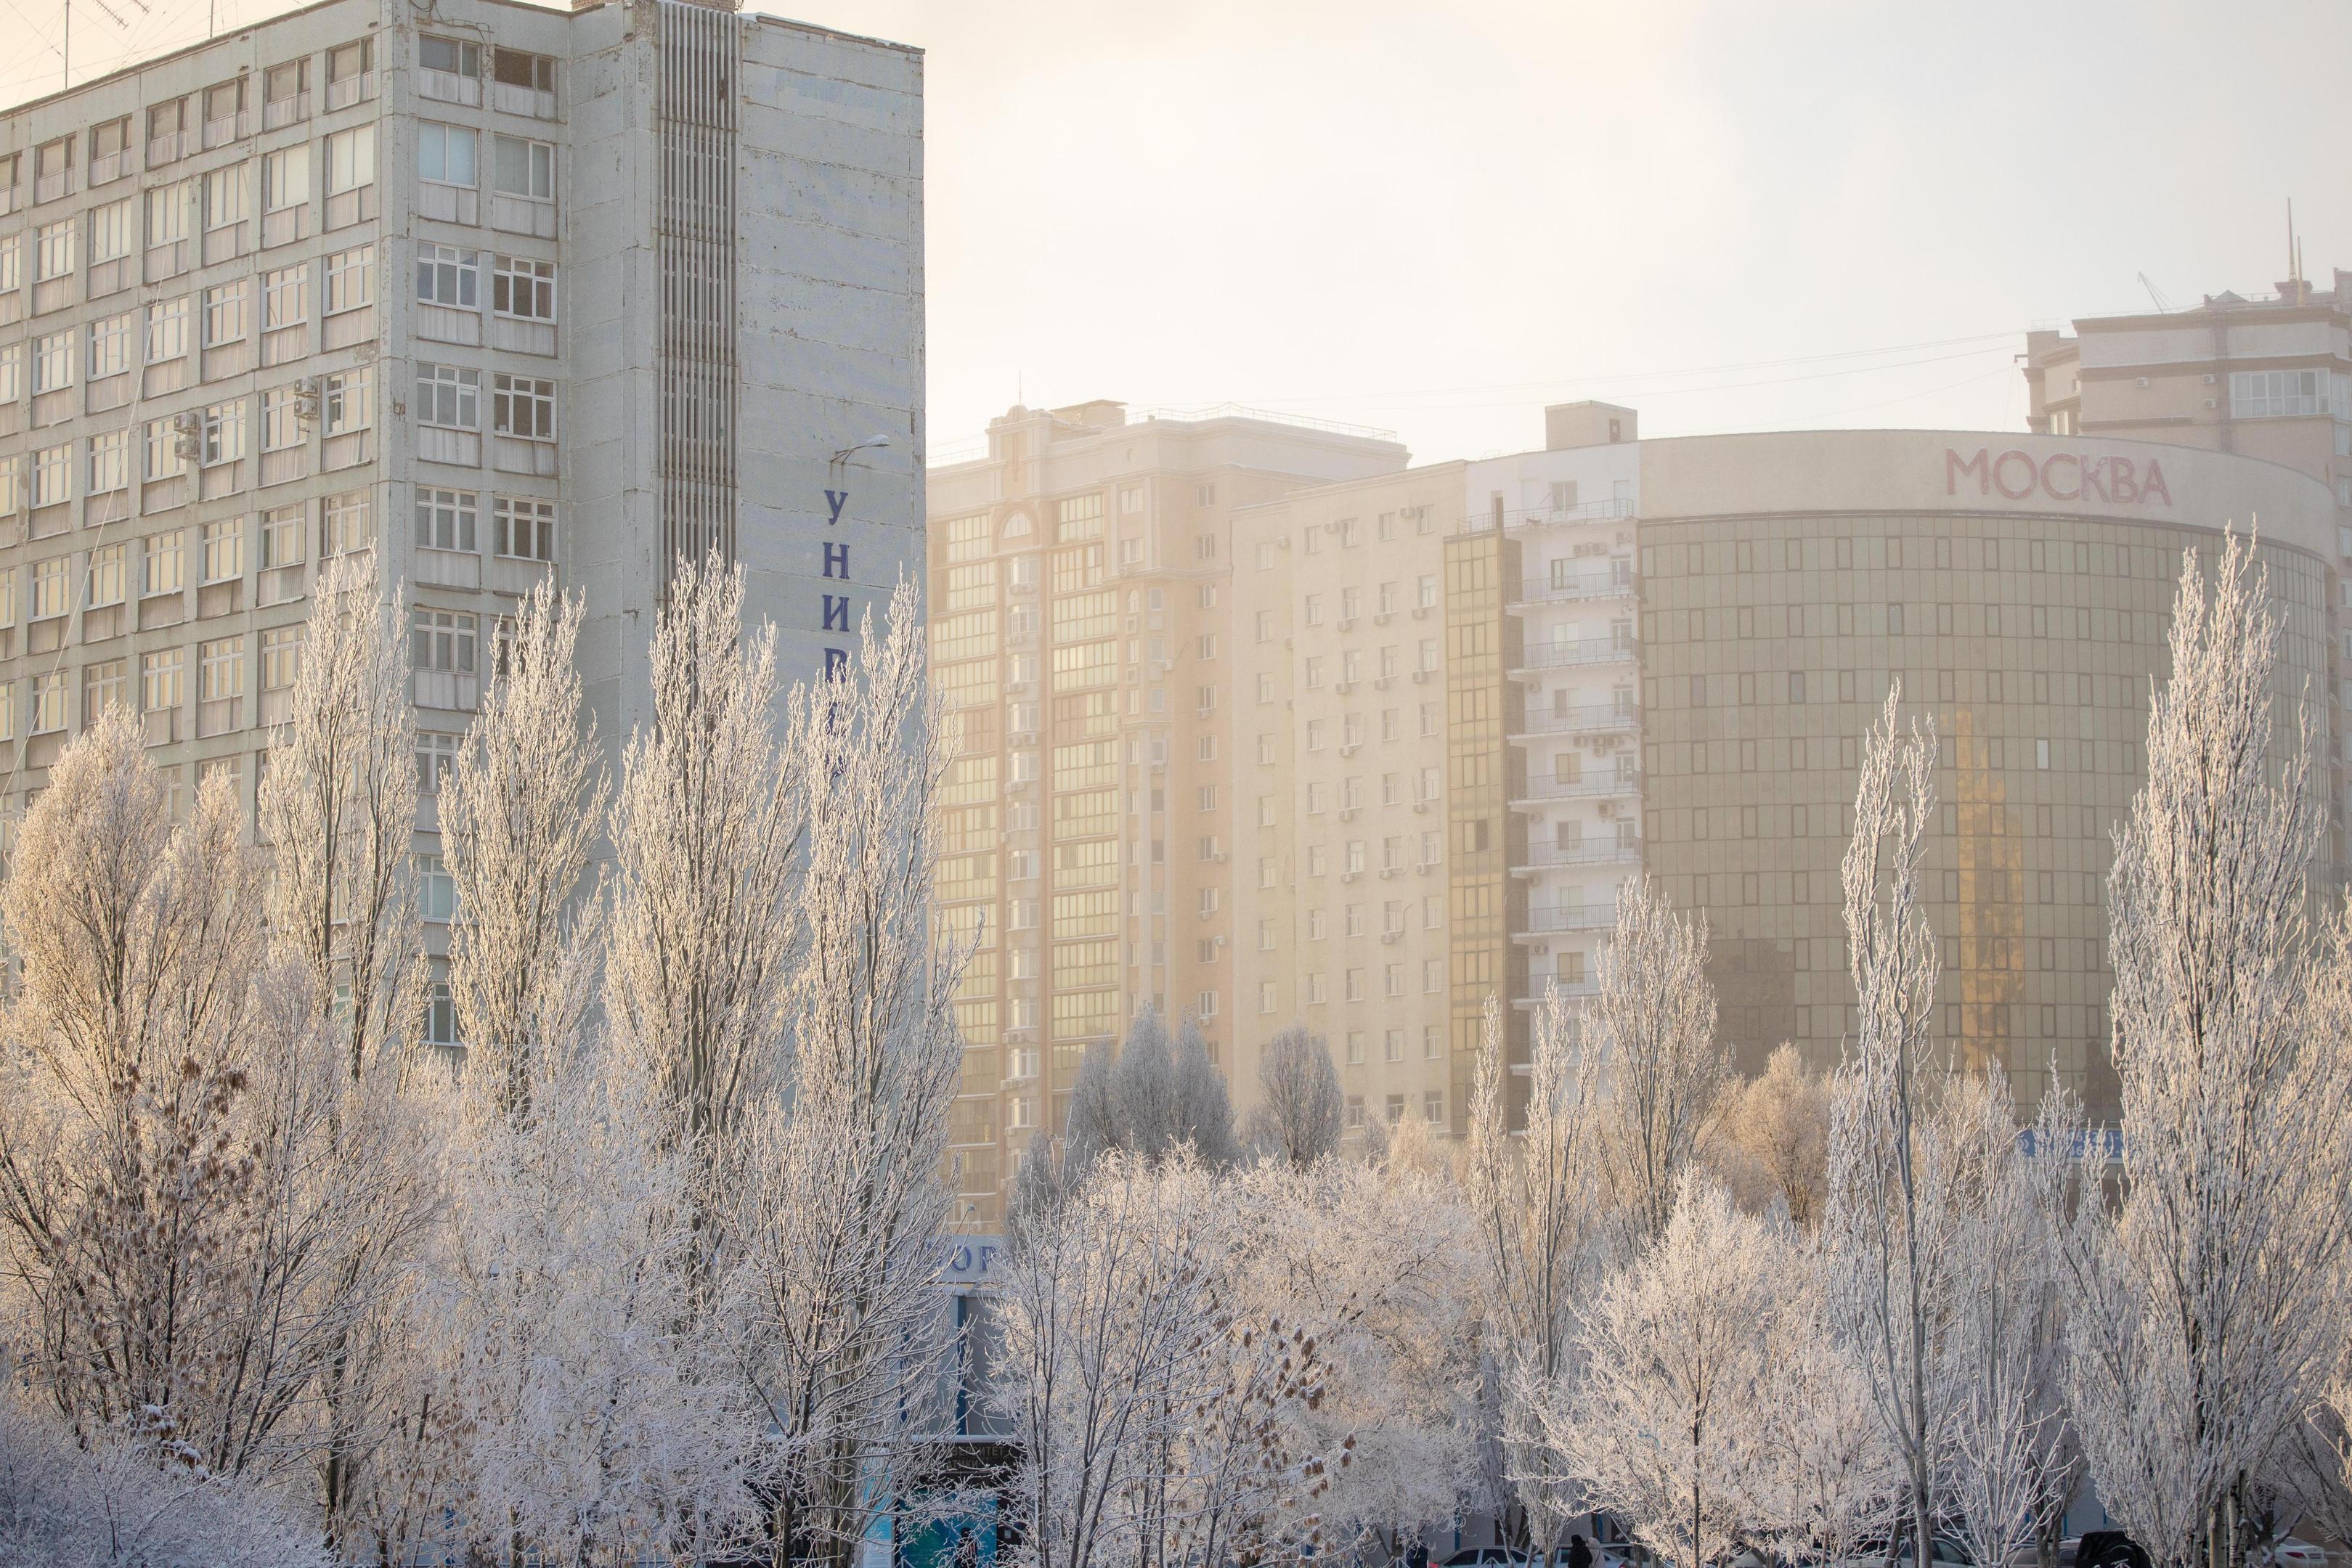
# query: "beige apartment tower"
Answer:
x=1084 y=647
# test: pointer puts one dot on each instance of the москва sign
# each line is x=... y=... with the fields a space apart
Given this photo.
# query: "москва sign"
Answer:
x=2061 y=476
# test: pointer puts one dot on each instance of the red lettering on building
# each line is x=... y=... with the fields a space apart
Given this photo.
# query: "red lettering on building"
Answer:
x=1954 y=468
x=2061 y=476
x=2001 y=469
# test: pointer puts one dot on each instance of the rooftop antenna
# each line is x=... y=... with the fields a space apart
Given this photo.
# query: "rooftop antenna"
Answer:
x=2162 y=304
x=2293 y=266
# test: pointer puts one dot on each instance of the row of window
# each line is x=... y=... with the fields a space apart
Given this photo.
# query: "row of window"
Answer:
x=450 y=71
x=168 y=216
x=158 y=563
x=166 y=330
x=449 y=397
x=208 y=437
x=1315 y=992
x=1316 y=731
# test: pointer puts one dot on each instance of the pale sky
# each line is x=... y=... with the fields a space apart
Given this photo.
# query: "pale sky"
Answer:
x=1435 y=218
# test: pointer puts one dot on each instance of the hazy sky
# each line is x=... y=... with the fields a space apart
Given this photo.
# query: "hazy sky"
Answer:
x=1435 y=217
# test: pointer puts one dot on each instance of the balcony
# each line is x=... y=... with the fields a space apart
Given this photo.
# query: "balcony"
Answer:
x=1577 y=588
x=1587 y=513
x=1582 y=718
x=1554 y=857
x=1570 y=991
x=1602 y=786
x=1569 y=653
x=1544 y=920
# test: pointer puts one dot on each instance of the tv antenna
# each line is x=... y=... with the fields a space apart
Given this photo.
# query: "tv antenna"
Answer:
x=2162 y=304
x=65 y=45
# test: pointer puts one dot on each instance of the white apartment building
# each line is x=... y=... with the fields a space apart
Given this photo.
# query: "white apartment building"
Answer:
x=492 y=289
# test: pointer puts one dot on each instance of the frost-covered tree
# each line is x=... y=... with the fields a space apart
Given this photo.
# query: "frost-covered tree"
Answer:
x=2204 y=1294
x=518 y=812
x=1536 y=1210
x=1151 y=1097
x=1893 y=1273
x=1662 y=1421
x=1827 y=1485
x=80 y=1500
x=837 y=1198
x=338 y=810
x=1299 y=1104
x=1156 y=1405
x=1774 y=1137
x=580 y=1417
x=1370 y=1261
x=706 y=829
x=2012 y=1458
x=1650 y=1028
x=135 y=1214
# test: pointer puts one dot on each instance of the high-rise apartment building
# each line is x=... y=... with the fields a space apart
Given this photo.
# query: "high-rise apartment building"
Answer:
x=2267 y=377
x=491 y=290
x=1083 y=641
x=1458 y=706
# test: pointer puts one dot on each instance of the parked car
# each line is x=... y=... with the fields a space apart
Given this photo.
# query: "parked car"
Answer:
x=2106 y=1548
x=2292 y=1552
x=1476 y=1556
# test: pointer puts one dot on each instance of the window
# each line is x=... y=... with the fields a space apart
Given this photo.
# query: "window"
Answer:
x=165 y=569
x=350 y=279
x=48 y=702
x=281 y=537
x=441 y=640
x=166 y=123
x=444 y=153
x=167 y=457
x=285 y=296
x=440 y=1016
x=347 y=400
x=102 y=687
x=350 y=160
x=223 y=549
x=52 y=169
x=228 y=196
x=526 y=289
x=109 y=575
x=108 y=144
x=523 y=406
x=519 y=69
x=109 y=345
x=220 y=671
x=12 y=256
x=112 y=232
x=448 y=276
x=281 y=661
x=523 y=527
x=224 y=434
x=454 y=57
x=347 y=522
x=2279 y=395
x=521 y=167
x=225 y=318
x=281 y=420
x=110 y=462
x=222 y=105
x=444 y=520
x=49 y=597
x=285 y=92
x=449 y=397
x=351 y=73
x=167 y=331
x=286 y=178
x=163 y=680
x=53 y=362
x=52 y=475
x=57 y=251
x=167 y=214
x=436 y=756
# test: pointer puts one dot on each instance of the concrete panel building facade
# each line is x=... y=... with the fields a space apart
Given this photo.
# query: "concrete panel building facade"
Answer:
x=493 y=292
